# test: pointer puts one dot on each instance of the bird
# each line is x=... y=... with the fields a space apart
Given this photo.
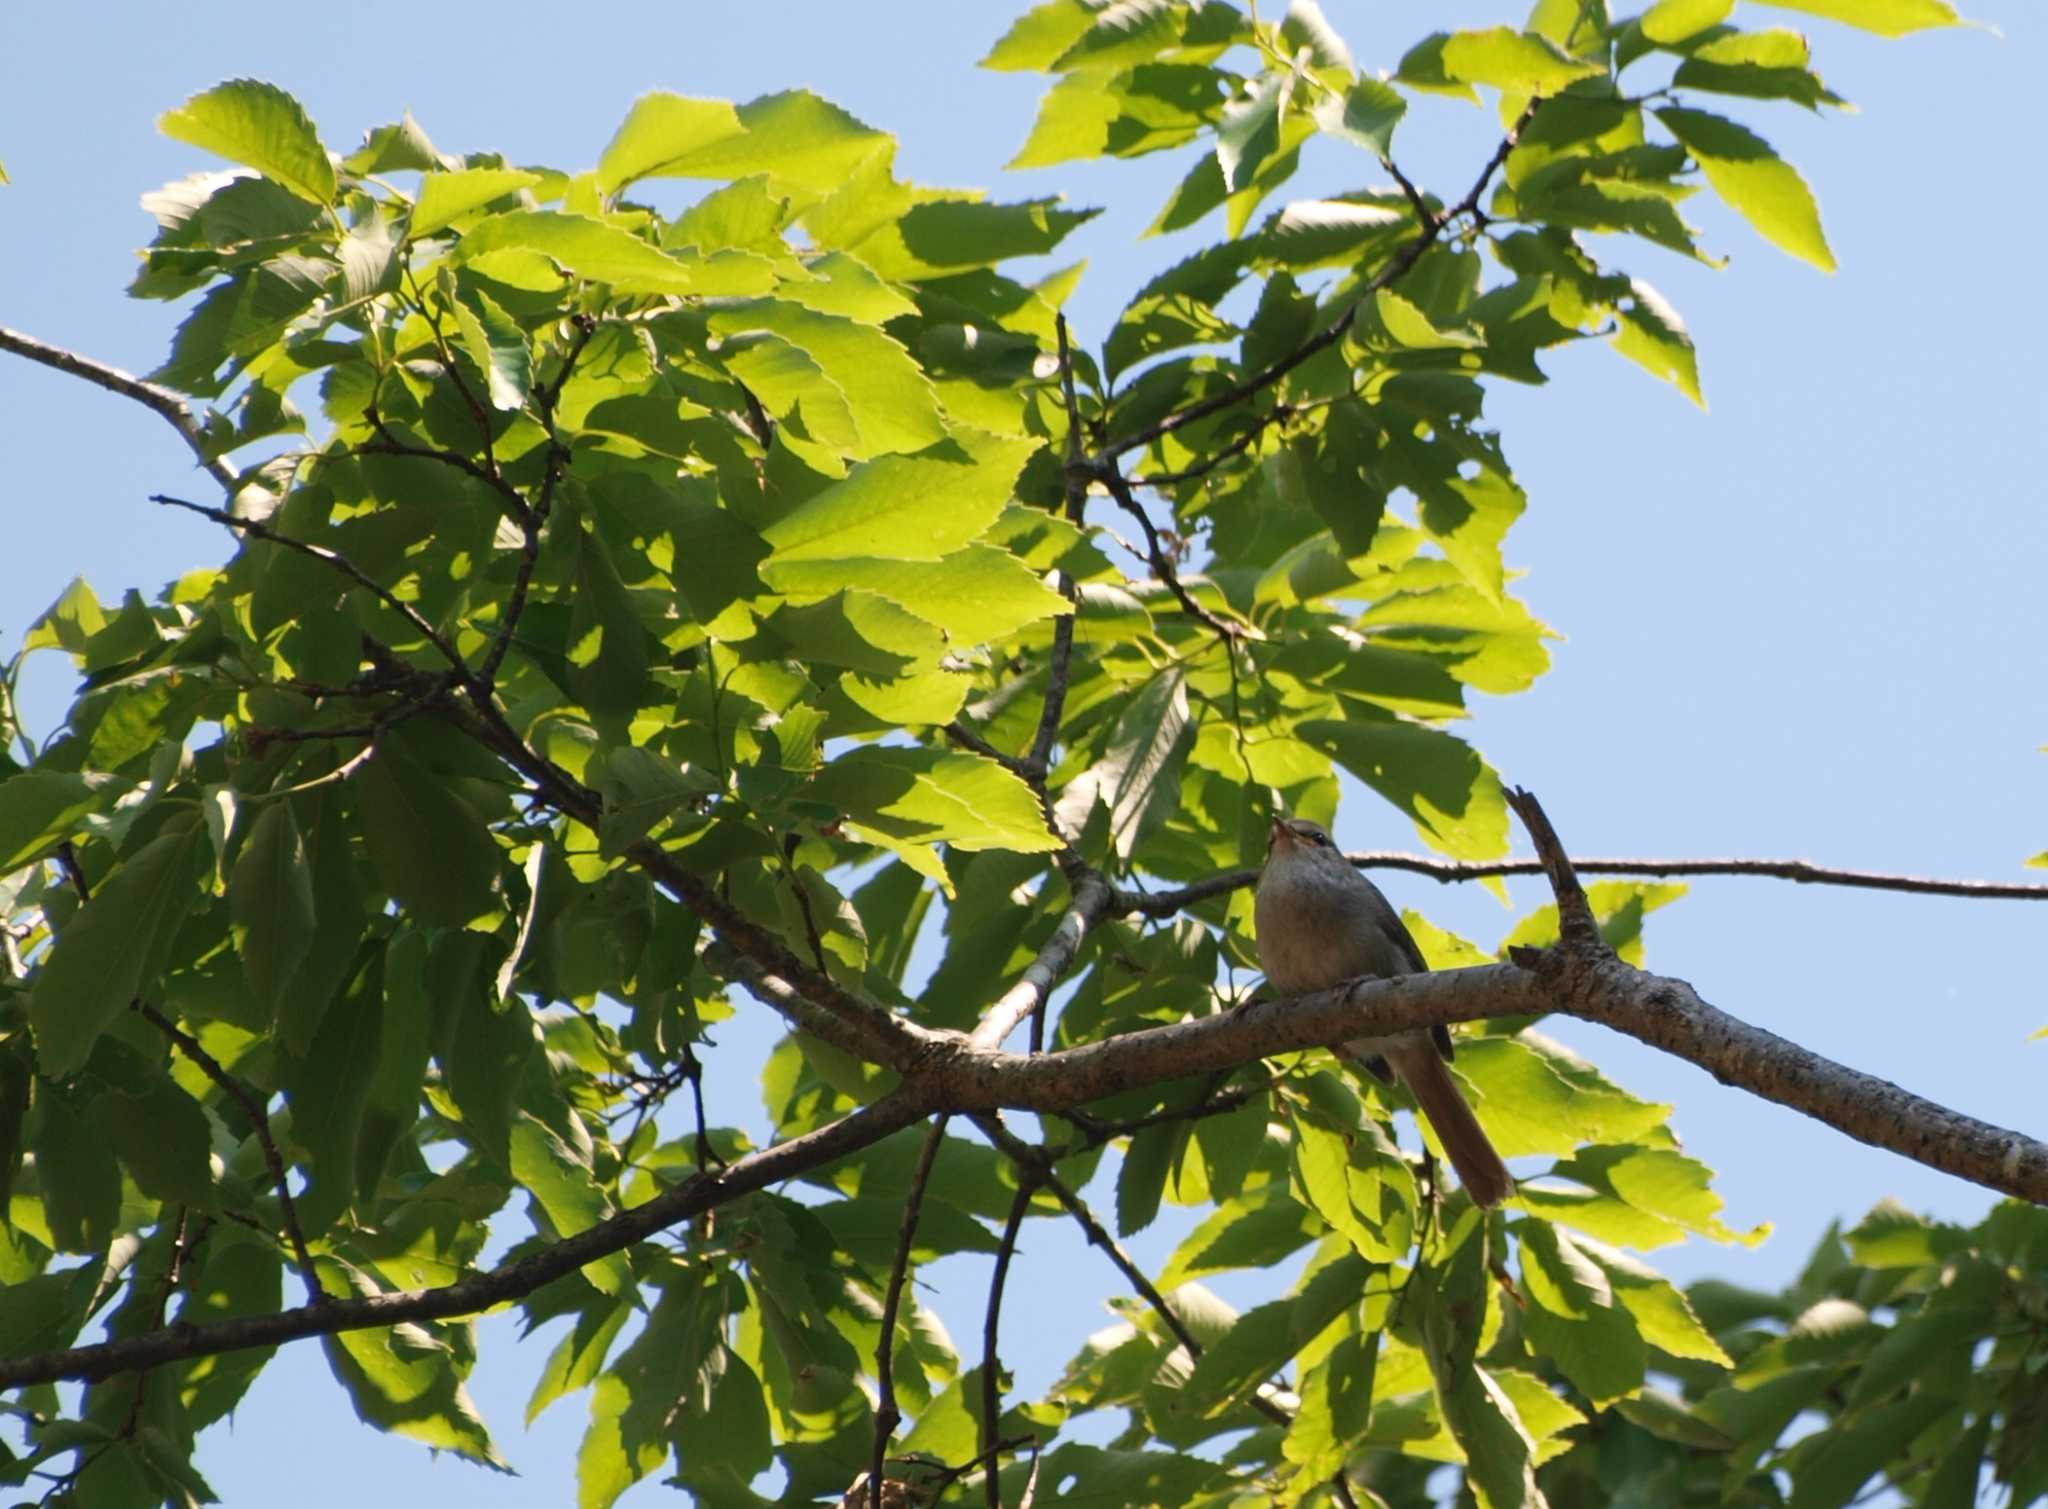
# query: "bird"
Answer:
x=1320 y=923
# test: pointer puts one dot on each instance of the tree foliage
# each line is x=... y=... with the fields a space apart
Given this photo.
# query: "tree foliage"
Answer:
x=652 y=604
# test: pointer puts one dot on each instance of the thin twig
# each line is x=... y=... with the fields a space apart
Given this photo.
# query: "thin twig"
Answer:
x=1397 y=267
x=534 y=518
x=259 y=1124
x=1278 y=414
x=1447 y=871
x=1161 y=565
x=887 y=1415
x=257 y=529
x=991 y=1324
x=151 y=395
x=234 y=1089
x=969 y=740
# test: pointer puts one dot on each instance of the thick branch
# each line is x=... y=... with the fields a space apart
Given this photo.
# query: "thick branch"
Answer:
x=1089 y=905
x=508 y=1281
x=151 y=395
x=1665 y=1013
x=1803 y=871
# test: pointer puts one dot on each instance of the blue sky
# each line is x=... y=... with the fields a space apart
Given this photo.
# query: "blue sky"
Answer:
x=1807 y=622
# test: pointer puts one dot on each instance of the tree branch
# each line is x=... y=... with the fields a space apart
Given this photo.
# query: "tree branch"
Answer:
x=258 y=530
x=991 y=1325
x=1162 y=567
x=887 y=1416
x=1090 y=903
x=259 y=1124
x=1802 y=871
x=1396 y=268
x=508 y=1281
x=151 y=395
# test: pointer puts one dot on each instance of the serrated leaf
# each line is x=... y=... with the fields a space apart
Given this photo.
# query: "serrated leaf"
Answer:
x=431 y=849
x=1249 y=132
x=1674 y=20
x=1758 y=184
x=270 y=899
x=260 y=126
x=929 y=797
x=1039 y=36
x=561 y=1184
x=39 y=809
x=1514 y=62
x=447 y=197
x=1449 y=792
x=404 y=1379
x=108 y=950
x=1365 y=115
x=1888 y=18
x=793 y=136
x=920 y=507
x=600 y=252
x=661 y=129
x=1650 y=333
x=1137 y=778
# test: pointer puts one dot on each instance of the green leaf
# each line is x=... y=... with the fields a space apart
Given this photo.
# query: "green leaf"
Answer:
x=1141 y=1178
x=1650 y=333
x=1514 y=62
x=39 y=809
x=794 y=136
x=1097 y=113
x=270 y=898
x=492 y=1046
x=404 y=1379
x=1888 y=18
x=974 y=595
x=107 y=953
x=329 y=1088
x=925 y=796
x=1250 y=130
x=561 y=1184
x=259 y=126
x=1674 y=20
x=1265 y=1339
x=603 y=253
x=661 y=129
x=432 y=852
x=81 y=1183
x=921 y=507
x=608 y=647
x=1037 y=38
x=1138 y=777
x=447 y=197
x=1364 y=115
x=1758 y=185
x=1535 y=1098
x=1573 y=1317
x=1450 y=793
x=852 y=388
x=494 y=341
x=163 y=1139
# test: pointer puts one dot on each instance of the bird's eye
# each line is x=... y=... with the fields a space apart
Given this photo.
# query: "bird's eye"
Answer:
x=1322 y=841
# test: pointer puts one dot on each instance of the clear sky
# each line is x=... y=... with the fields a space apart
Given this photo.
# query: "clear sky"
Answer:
x=1809 y=622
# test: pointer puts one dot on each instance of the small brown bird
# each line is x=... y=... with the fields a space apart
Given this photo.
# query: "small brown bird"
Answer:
x=1320 y=923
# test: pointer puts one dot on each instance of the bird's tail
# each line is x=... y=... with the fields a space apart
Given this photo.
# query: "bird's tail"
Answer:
x=1464 y=1141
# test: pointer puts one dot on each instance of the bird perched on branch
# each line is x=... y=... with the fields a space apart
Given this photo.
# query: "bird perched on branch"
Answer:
x=1321 y=923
